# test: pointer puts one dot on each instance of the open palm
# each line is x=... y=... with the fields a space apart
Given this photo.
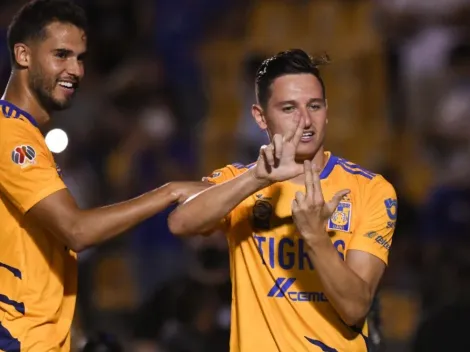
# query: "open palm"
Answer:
x=276 y=161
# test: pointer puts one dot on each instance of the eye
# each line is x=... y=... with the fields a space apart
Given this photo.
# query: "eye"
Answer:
x=315 y=107
x=288 y=109
x=61 y=55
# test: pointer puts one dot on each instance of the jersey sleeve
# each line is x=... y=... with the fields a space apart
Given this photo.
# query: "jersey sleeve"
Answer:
x=221 y=175
x=375 y=231
x=27 y=171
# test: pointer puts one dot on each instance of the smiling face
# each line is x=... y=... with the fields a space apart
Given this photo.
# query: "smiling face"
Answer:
x=55 y=64
x=295 y=95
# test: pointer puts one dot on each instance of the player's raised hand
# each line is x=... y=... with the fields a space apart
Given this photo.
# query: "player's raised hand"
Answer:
x=276 y=161
x=309 y=209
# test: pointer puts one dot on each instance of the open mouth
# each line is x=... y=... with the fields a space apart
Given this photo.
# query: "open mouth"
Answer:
x=68 y=86
x=307 y=136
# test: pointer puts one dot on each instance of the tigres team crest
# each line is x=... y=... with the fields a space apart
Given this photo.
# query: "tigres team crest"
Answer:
x=262 y=212
x=216 y=174
x=213 y=175
x=341 y=218
x=23 y=155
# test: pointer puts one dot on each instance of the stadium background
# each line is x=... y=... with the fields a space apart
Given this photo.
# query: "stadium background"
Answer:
x=167 y=96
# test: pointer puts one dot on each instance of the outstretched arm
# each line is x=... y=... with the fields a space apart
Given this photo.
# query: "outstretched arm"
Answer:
x=79 y=229
x=204 y=212
x=31 y=183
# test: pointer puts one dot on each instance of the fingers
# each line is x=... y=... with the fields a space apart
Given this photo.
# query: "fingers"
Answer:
x=294 y=134
x=334 y=202
x=298 y=132
x=338 y=196
x=291 y=131
x=309 y=189
x=263 y=160
x=272 y=152
x=299 y=197
x=267 y=153
x=318 y=194
x=277 y=142
x=294 y=207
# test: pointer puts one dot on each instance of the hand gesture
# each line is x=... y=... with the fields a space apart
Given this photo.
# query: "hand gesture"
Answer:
x=276 y=161
x=309 y=210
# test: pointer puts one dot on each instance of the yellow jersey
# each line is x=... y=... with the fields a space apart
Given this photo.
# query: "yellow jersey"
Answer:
x=278 y=303
x=38 y=274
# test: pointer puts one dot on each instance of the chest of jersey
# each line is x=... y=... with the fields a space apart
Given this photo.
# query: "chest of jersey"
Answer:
x=271 y=221
x=275 y=248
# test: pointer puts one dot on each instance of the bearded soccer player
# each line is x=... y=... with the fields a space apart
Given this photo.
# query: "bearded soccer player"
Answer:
x=42 y=227
x=309 y=232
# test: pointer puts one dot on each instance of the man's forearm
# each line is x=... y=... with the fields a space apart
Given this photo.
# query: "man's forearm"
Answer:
x=100 y=224
x=204 y=212
x=345 y=290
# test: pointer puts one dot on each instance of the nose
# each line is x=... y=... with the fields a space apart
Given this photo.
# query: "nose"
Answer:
x=75 y=68
x=307 y=118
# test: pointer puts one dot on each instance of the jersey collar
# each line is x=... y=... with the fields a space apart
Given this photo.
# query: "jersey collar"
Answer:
x=11 y=110
x=330 y=164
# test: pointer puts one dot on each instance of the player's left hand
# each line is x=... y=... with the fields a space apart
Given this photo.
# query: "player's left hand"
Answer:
x=309 y=209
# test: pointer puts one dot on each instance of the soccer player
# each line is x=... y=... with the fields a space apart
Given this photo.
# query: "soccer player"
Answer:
x=309 y=232
x=41 y=226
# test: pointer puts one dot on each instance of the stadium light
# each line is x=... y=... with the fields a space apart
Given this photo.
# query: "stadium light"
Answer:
x=57 y=140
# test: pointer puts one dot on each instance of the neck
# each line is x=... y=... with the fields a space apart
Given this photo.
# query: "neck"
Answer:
x=319 y=159
x=18 y=93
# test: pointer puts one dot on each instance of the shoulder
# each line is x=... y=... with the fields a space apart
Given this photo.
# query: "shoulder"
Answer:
x=17 y=125
x=12 y=115
x=11 y=128
x=227 y=172
x=352 y=170
x=368 y=181
x=16 y=135
x=20 y=142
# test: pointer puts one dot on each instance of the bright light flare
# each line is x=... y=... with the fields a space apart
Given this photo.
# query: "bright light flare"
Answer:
x=57 y=140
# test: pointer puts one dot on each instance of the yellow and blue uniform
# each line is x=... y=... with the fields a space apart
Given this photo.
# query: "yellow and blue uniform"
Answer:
x=38 y=275
x=278 y=303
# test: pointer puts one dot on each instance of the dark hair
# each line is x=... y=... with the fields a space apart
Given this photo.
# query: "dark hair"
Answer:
x=294 y=61
x=251 y=65
x=30 y=22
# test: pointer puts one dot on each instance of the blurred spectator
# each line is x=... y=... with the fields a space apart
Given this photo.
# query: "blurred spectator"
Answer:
x=445 y=217
x=444 y=331
x=190 y=314
x=116 y=28
x=423 y=33
x=445 y=328
x=459 y=65
x=148 y=156
x=449 y=137
x=249 y=136
x=7 y=10
x=179 y=27
x=135 y=125
x=102 y=342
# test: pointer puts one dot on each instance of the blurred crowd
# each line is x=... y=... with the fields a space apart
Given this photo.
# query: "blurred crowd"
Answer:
x=167 y=96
